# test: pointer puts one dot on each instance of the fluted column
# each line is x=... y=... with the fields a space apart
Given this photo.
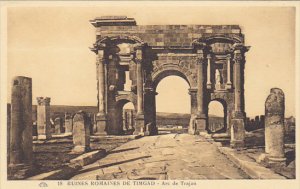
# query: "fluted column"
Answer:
x=238 y=83
x=208 y=84
x=140 y=98
x=238 y=122
x=102 y=90
x=101 y=81
x=201 y=120
x=228 y=84
x=140 y=121
x=200 y=86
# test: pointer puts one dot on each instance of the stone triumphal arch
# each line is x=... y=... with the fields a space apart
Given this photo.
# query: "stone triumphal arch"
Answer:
x=209 y=57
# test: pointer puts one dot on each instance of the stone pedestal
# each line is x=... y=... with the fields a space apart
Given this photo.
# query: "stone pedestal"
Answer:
x=101 y=125
x=237 y=133
x=274 y=128
x=201 y=123
x=20 y=154
x=139 y=125
x=43 y=118
x=81 y=133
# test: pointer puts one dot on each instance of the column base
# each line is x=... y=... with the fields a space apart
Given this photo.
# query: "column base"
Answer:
x=268 y=161
x=19 y=171
x=208 y=85
x=139 y=125
x=44 y=137
x=237 y=144
x=80 y=149
x=100 y=125
x=237 y=133
x=228 y=86
x=201 y=124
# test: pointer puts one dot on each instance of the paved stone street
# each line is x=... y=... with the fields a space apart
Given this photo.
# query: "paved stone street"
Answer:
x=171 y=156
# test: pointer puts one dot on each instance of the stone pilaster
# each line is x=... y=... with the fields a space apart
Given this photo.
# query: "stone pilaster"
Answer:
x=43 y=118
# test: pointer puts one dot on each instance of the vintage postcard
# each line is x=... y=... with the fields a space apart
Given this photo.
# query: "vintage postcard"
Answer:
x=149 y=94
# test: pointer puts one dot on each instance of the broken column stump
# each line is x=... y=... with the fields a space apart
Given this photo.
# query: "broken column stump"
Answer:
x=20 y=154
x=81 y=133
x=274 y=129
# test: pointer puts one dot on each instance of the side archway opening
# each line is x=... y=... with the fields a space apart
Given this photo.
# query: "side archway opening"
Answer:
x=125 y=116
x=217 y=115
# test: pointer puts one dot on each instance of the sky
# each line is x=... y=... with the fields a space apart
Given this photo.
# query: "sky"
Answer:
x=50 y=45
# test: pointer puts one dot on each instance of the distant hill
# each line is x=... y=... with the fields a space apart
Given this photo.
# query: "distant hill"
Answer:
x=161 y=117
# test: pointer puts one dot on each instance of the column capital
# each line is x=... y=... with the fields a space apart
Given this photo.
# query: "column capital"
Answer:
x=98 y=47
x=193 y=91
x=43 y=101
x=228 y=56
x=239 y=48
x=200 y=58
x=238 y=57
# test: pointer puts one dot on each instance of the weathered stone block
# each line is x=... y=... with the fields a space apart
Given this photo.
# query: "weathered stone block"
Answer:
x=81 y=133
x=274 y=127
x=20 y=154
x=237 y=133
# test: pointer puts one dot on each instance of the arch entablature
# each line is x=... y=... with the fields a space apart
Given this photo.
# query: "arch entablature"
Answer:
x=122 y=99
x=225 y=98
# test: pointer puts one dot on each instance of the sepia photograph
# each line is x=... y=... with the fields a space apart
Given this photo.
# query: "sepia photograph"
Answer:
x=149 y=94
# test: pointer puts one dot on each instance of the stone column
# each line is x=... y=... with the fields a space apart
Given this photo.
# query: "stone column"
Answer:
x=238 y=121
x=140 y=121
x=238 y=106
x=81 y=133
x=228 y=84
x=43 y=118
x=68 y=124
x=125 y=120
x=201 y=120
x=101 y=118
x=274 y=128
x=208 y=84
x=57 y=125
x=20 y=158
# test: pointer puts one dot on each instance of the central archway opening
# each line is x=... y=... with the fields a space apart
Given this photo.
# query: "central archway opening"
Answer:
x=173 y=105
